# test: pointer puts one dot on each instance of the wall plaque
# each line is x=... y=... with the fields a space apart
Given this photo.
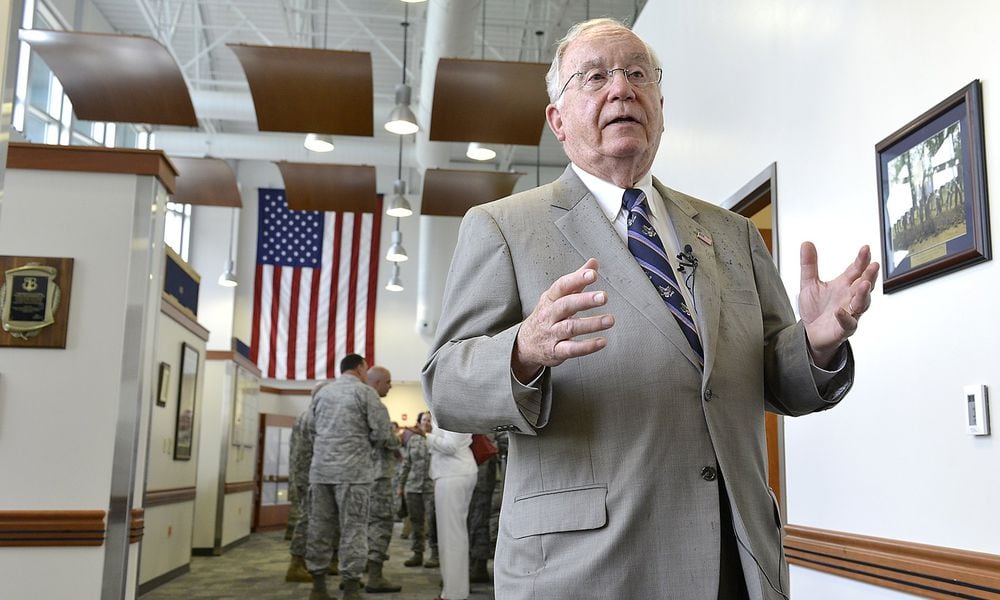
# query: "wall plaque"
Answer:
x=34 y=301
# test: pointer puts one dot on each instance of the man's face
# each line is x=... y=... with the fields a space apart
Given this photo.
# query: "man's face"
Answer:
x=382 y=382
x=617 y=124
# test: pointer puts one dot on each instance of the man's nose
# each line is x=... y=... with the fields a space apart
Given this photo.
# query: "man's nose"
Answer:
x=619 y=87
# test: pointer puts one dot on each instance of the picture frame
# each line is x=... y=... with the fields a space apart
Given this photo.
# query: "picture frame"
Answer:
x=933 y=207
x=163 y=384
x=186 y=392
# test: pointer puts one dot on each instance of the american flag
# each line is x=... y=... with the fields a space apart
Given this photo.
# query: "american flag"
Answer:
x=314 y=295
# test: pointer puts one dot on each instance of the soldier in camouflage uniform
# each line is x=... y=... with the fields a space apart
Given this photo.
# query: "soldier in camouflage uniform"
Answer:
x=347 y=422
x=299 y=459
x=380 y=511
x=418 y=488
x=480 y=507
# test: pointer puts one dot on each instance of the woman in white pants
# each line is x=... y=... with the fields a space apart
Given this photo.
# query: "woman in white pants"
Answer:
x=453 y=470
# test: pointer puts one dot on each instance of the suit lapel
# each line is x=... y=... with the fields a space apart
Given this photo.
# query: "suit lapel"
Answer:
x=577 y=215
x=707 y=294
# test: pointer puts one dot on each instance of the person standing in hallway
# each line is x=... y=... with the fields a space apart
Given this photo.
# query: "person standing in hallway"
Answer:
x=480 y=507
x=380 y=512
x=418 y=489
x=348 y=421
x=453 y=470
x=568 y=322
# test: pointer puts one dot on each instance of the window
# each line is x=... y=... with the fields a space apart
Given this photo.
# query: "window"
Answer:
x=43 y=114
x=177 y=233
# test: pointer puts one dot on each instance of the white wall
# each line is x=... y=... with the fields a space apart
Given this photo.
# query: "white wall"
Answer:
x=814 y=85
x=58 y=433
x=166 y=543
x=210 y=233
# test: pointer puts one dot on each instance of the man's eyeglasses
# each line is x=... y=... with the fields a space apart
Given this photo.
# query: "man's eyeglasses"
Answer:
x=594 y=80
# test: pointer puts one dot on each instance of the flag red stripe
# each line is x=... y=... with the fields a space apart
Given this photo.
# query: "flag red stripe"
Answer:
x=255 y=333
x=275 y=305
x=331 y=335
x=293 y=322
x=352 y=289
x=373 y=262
x=313 y=315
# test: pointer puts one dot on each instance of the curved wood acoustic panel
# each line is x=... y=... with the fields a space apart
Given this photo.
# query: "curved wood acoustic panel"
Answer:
x=308 y=90
x=498 y=102
x=121 y=78
x=451 y=192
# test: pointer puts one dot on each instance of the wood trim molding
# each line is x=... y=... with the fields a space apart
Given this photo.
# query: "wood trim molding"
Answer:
x=169 y=307
x=286 y=391
x=92 y=159
x=52 y=528
x=234 y=356
x=168 y=496
x=240 y=487
x=137 y=526
x=928 y=571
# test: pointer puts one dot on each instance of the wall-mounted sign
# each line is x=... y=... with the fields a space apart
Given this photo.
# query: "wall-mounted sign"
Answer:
x=34 y=301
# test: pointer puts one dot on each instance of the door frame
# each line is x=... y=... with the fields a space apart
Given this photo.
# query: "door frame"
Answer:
x=267 y=518
x=754 y=196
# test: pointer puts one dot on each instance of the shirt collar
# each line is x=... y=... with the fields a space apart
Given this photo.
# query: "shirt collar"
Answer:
x=609 y=195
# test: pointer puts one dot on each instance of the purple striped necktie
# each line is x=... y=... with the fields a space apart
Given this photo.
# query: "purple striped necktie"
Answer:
x=646 y=247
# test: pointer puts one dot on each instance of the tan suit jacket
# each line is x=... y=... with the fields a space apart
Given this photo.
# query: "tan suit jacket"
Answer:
x=609 y=492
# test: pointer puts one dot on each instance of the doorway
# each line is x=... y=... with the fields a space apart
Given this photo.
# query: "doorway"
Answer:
x=757 y=201
x=272 y=505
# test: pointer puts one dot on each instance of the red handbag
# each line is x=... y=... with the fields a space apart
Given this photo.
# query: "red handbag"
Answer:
x=483 y=448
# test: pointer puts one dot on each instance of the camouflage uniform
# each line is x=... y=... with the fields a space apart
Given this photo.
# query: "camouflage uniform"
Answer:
x=480 y=508
x=300 y=450
x=380 y=511
x=347 y=422
x=419 y=489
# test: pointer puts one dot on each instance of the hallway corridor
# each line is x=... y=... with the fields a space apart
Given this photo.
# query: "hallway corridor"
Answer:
x=256 y=569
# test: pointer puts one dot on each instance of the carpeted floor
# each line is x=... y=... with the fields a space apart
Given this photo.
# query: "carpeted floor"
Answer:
x=256 y=569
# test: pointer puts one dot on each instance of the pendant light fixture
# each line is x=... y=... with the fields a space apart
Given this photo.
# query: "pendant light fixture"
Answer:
x=395 y=283
x=320 y=142
x=398 y=204
x=401 y=120
x=397 y=253
x=476 y=150
x=228 y=277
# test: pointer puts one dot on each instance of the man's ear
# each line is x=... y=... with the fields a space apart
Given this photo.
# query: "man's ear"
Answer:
x=554 y=120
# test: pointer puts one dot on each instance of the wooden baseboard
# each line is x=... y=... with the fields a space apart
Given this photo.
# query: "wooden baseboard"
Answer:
x=924 y=570
x=52 y=527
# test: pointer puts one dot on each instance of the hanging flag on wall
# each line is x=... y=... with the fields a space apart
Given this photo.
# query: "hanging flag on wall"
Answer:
x=315 y=288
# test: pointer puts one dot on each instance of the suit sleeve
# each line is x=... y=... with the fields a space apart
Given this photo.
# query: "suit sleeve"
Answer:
x=790 y=383
x=467 y=379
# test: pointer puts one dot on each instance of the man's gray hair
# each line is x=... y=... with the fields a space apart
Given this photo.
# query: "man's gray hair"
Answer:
x=552 y=83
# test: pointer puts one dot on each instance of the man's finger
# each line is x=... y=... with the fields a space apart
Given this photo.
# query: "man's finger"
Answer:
x=860 y=264
x=571 y=328
x=807 y=258
x=567 y=349
x=574 y=282
x=567 y=306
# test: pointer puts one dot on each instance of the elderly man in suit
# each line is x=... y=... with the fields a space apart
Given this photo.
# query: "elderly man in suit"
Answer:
x=635 y=392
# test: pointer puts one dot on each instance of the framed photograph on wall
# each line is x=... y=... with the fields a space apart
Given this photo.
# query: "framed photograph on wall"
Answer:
x=163 y=384
x=932 y=192
x=184 y=429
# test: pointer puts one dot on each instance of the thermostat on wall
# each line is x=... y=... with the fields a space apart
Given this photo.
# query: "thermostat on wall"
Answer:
x=977 y=410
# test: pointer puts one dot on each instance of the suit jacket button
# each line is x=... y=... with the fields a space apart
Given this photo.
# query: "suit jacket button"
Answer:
x=708 y=474
x=708 y=395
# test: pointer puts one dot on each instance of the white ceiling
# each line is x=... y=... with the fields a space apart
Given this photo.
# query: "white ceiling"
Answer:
x=196 y=33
